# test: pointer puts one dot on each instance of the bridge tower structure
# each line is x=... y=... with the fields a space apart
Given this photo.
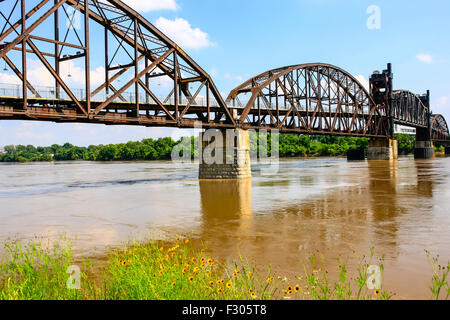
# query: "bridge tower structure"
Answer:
x=424 y=148
x=381 y=89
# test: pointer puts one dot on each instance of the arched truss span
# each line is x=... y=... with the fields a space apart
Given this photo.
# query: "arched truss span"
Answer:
x=309 y=98
x=148 y=79
x=439 y=128
x=410 y=109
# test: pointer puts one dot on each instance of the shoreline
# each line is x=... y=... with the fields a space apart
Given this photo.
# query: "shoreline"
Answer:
x=180 y=270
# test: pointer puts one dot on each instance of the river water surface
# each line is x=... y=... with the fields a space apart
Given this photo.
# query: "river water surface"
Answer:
x=341 y=209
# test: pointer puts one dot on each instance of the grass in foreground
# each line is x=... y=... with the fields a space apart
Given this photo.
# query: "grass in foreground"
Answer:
x=153 y=271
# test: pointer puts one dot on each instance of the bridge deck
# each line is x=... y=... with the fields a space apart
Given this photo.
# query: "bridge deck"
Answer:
x=121 y=113
x=151 y=115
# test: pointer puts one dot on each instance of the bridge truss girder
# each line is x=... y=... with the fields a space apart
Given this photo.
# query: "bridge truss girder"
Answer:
x=135 y=54
x=439 y=129
x=409 y=109
x=309 y=98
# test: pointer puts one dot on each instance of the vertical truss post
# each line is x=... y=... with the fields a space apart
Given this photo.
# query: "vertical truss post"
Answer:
x=429 y=114
x=107 y=84
x=175 y=77
x=259 y=110
x=24 y=58
x=277 y=104
x=208 y=106
x=391 y=101
x=57 y=64
x=147 y=83
x=136 y=66
x=87 y=56
x=307 y=92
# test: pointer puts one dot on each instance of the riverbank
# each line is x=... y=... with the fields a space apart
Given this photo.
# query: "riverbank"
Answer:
x=290 y=145
x=178 y=271
x=161 y=149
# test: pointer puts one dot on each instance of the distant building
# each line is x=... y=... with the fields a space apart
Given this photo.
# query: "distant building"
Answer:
x=405 y=130
x=2 y=150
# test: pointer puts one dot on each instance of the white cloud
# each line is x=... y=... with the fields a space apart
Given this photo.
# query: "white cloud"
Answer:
x=228 y=76
x=39 y=76
x=6 y=78
x=151 y=5
x=181 y=31
x=425 y=58
x=363 y=81
x=78 y=76
x=441 y=106
x=214 y=73
x=442 y=101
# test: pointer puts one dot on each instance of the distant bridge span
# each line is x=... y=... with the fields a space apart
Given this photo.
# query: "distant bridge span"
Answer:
x=306 y=99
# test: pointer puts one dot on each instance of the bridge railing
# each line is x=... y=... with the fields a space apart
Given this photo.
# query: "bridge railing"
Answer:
x=46 y=92
x=284 y=105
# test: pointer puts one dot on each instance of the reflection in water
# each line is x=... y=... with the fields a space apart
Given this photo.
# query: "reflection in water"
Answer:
x=426 y=177
x=383 y=188
x=226 y=211
x=379 y=207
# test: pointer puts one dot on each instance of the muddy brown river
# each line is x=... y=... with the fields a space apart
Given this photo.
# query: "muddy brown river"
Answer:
x=338 y=208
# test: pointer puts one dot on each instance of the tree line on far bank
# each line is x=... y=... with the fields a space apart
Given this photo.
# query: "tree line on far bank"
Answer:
x=290 y=145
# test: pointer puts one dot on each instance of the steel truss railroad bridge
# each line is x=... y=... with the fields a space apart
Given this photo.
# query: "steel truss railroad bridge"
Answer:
x=315 y=98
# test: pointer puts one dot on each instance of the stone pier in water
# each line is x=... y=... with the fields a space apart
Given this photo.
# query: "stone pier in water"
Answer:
x=382 y=149
x=225 y=154
x=424 y=148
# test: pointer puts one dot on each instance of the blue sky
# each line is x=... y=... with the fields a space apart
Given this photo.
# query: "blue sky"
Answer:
x=234 y=40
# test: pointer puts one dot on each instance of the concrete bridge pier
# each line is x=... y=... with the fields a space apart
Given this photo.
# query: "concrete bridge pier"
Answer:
x=382 y=149
x=424 y=148
x=224 y=154
x=356 y=155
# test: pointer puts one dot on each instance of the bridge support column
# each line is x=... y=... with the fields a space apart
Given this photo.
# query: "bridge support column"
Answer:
x=356 y=155
x=225 y=154
x=424 y=148
x=382 y=149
